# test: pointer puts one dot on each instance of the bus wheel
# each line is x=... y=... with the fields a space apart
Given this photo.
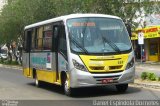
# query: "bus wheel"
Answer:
x=67 y=89
x=37 y=82
x=122 y=87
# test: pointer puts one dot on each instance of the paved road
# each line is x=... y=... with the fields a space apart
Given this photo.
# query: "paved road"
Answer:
x=14 y=86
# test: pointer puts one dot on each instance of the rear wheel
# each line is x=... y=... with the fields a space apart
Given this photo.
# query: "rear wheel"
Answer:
x=122 y=87
x=37 y=82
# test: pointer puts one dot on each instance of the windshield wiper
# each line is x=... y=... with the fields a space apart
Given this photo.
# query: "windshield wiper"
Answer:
x=82 y=48
x=112 y=44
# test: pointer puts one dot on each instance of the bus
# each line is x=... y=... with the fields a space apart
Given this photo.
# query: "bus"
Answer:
x=79 y=50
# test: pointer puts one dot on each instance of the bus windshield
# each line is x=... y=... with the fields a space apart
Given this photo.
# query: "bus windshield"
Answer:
x=98 y=35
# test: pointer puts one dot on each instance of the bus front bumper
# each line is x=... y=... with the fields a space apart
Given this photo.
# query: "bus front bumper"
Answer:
x=85 y=79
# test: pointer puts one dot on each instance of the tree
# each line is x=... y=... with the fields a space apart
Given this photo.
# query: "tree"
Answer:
x=19 y=13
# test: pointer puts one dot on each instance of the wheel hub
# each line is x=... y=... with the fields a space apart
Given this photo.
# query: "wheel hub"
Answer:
x=66 y=86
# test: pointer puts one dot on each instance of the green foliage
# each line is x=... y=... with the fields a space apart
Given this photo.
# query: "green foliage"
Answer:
x=14 y=63
x=152 y=76
x=144 y=75
x=1 y=61
x=7 y=62
x=149 y=76
x=19 y=13
x=158 y=79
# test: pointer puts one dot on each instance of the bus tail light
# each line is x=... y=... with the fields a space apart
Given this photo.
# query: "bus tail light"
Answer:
x=78 y=65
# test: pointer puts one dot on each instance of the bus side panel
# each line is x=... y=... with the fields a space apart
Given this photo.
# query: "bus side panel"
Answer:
x=47 y=76
x=44 y=64
x=26 y=68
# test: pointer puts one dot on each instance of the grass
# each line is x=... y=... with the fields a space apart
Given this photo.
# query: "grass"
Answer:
x=7 y=62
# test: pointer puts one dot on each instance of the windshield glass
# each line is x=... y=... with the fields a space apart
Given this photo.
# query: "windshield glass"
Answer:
x=3 y=51
x=98 y=35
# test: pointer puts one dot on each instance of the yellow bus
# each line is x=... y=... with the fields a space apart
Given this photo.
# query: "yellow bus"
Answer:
x=79 y=50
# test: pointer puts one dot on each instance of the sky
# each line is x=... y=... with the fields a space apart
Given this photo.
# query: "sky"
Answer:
x=153 y=19
x=2 y=2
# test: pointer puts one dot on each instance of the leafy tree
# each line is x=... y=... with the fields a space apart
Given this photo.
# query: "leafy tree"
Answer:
x=19 y=13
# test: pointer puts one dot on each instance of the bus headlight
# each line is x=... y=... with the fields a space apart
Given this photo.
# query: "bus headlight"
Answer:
x=78 y=65
x=130 y=64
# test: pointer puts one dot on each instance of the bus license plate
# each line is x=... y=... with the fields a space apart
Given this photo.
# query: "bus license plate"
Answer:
x=107 y=80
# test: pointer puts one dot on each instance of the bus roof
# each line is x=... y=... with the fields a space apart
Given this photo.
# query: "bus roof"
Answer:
x=63 y=18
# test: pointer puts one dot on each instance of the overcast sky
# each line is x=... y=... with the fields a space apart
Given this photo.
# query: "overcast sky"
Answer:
x=2 y=2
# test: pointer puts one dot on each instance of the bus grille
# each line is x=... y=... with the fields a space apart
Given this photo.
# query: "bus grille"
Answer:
x=106 y=72
x=115 y=67
x=110 y=68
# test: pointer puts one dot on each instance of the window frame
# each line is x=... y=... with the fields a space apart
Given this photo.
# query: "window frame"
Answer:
x=27 y=40
x=53 y=38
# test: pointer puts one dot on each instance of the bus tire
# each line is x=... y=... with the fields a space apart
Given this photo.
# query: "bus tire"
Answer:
x=67 y=89
x=38 y=83
x=122 y=87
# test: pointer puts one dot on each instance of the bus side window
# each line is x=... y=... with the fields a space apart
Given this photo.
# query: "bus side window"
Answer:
x=27 y=41
x=47 y=40
x=39 y=42
x=62 y=45
x=47 y=37
x=54 y=38
x=33 y=39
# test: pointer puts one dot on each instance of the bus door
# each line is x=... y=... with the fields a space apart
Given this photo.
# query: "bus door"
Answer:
x=55 y=50
x=60 y=49
x=26 y=54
